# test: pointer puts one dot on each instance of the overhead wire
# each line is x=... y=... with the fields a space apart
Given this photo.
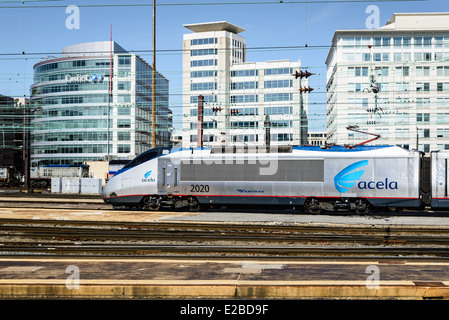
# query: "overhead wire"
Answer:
x=227 y=3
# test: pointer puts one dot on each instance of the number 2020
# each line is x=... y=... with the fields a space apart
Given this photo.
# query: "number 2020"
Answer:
x=199 y=188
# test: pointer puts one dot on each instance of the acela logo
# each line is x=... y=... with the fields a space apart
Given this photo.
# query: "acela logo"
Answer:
x=147 y=177
x=348 y=177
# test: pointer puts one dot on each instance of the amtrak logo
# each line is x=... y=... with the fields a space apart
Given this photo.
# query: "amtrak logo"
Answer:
x=348 y=177
x=147 y=177
x=250 y=191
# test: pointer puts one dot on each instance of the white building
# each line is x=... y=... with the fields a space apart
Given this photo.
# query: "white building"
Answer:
x=318 y=138
x=215 y=67
x=409 y=59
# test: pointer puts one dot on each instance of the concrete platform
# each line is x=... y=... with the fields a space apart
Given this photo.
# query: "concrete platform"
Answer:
x=207 y=279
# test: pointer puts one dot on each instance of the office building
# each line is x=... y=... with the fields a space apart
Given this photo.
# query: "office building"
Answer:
x=407 y=62
x=12 y=132
x=317 y=138
x=241 y=99
x=84 y=108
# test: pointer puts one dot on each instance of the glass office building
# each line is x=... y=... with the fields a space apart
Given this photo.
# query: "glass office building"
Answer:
x=83 y=108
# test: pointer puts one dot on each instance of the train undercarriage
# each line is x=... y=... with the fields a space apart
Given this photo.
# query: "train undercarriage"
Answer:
x=313 y=205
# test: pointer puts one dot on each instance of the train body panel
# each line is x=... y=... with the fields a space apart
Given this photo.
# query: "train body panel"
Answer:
x=305 y=177
x=440 y=179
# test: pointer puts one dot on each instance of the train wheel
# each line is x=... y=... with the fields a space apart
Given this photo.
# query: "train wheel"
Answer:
x=313 y=205
x=194 y=205
x=362 y=207
x=151 y=203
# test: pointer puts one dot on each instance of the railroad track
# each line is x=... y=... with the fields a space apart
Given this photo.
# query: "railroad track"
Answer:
x=163 y=239
x=44 y=202
x=201 y=232
x=229 y=251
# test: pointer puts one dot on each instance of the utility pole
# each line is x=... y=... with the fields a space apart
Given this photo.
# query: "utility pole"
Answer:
x=267 y=125
x=153 y=98
x=302 y=116
x=200 y=121
x=26 y=146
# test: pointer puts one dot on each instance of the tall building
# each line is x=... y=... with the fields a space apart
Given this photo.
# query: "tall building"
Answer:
x=78 y=109
x=241 y=99
x=408 y=61
x=12 y=131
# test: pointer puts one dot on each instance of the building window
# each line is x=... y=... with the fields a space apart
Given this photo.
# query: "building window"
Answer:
x=406 y=41
x=278 y=84
x=203 y=52
x=203 y=63
x=442 y=86
x=277 y=97
x=124 y=60
x=422 y=71
x=423 y=117
x=442 y=71
x=124 y=136
x=402 y=71
x=420 y=86
x=124 y=123
x=245 y=98
x=195 y=42
x=123 y=148
x=203 y=86
x=124 y=110
x=79 y=63
x=276 y=71
x=124 y=85
x=424 y=133
x=424 y=147
x=244 y=73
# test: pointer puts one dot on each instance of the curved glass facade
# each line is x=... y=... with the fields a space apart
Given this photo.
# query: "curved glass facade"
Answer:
x=77 y=117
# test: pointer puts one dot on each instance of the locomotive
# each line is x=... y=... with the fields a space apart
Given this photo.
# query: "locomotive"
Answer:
x=363 y=179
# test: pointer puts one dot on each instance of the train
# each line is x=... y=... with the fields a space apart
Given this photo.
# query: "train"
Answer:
x=361 y=179
x=40 y=177
x=9 y=177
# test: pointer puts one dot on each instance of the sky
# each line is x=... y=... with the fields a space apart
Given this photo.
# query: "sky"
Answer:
x=294 y=30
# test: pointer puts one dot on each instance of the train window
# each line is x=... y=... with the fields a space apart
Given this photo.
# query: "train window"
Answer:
x=285 y=170
x=142 y=158
x=175 y=179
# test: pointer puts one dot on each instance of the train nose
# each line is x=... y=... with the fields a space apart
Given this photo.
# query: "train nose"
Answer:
x=108 y=191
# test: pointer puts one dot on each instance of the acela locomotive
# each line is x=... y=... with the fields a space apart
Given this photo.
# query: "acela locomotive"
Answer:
x=362 y=179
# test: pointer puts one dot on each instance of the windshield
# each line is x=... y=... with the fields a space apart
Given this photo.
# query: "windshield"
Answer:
x=144 y=157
